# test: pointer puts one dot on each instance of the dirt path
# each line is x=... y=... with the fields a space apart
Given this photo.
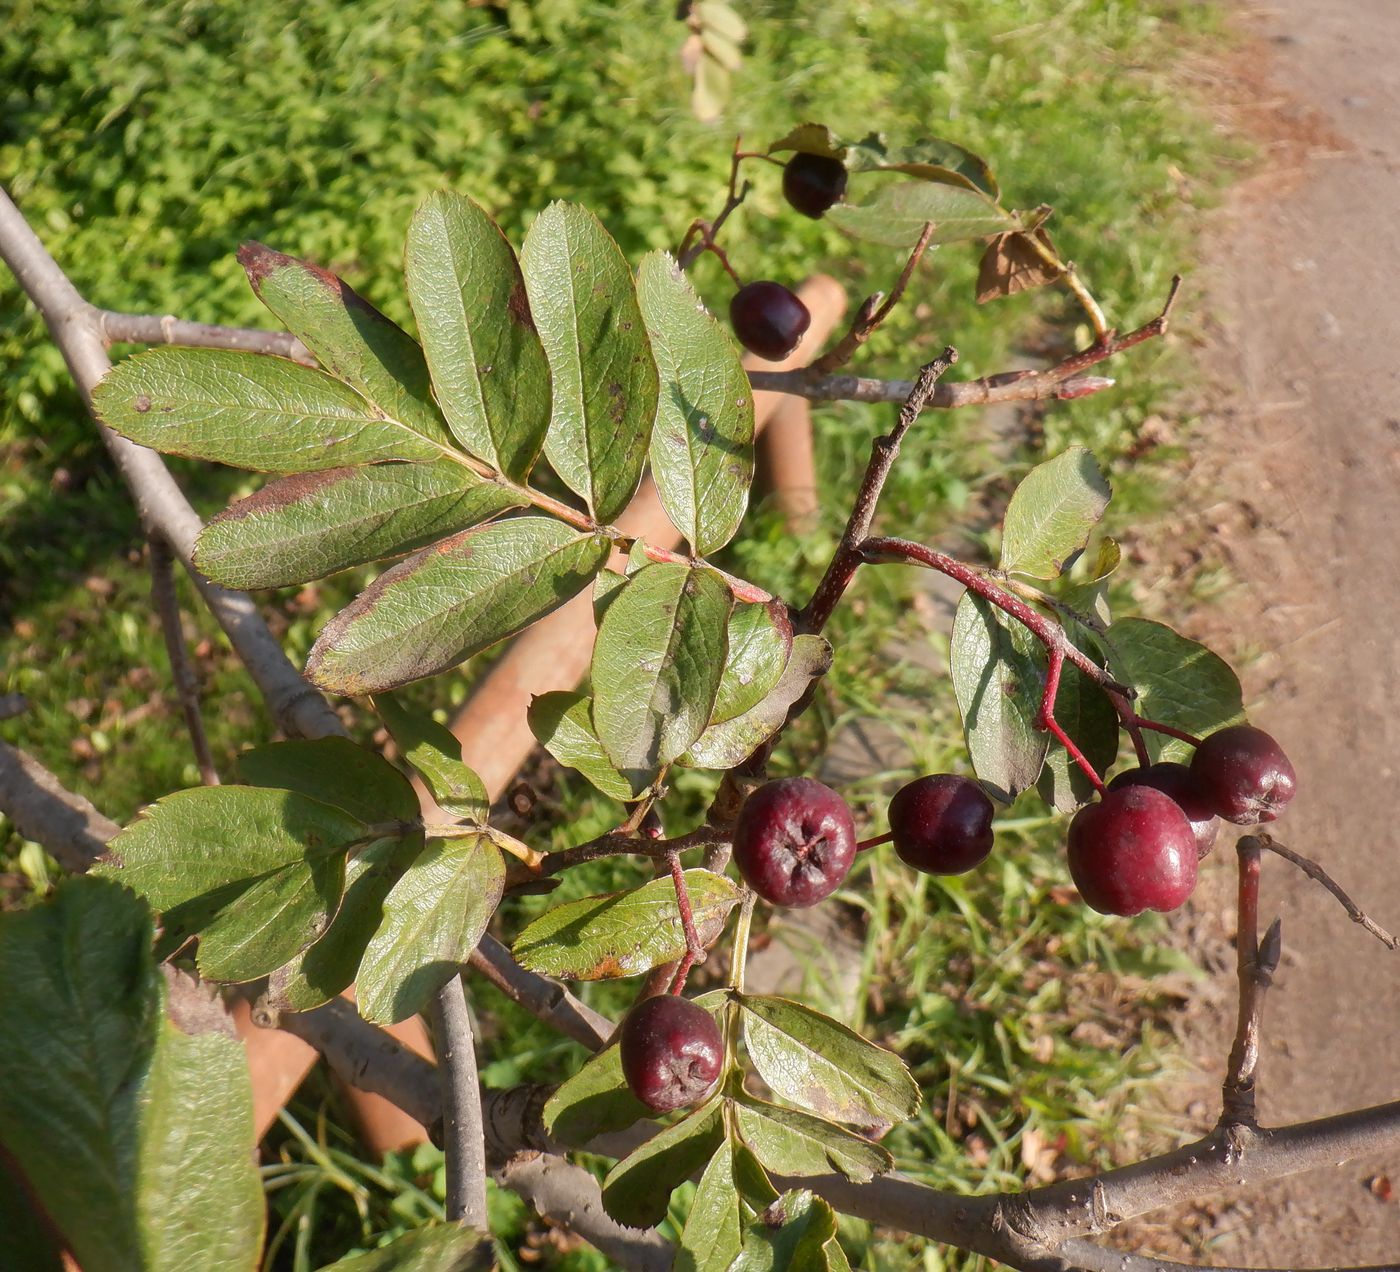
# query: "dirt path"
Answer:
x=1301 y=448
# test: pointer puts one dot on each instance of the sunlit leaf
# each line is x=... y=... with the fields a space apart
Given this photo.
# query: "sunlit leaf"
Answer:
x=1052 y=513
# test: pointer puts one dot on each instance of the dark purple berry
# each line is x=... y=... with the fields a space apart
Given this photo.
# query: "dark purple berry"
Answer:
x=794 y=841
x=941 y=824
x=812 y=183
x=1176 y=782
x=1244 y=775
x=1133 y=850
x=672 y=1052
x=768 y=319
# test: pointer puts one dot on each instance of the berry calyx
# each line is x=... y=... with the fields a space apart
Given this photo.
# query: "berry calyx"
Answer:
x=942 y=824
x=672 y=1052
x=794 y=841
x=768 y=319
x=1176 y=782
x=1244 y=775
x=1134 y=850
x=812 y=183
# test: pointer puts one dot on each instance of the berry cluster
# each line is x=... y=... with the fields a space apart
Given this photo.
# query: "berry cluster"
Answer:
x=1136 y=848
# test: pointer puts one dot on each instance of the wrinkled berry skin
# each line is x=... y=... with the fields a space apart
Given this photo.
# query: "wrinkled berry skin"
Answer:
x=1244 y=775
x=1175 y=781
x=794 y=841
x=1133 y=850
x=942 y=824
x=672 y=1052
x=768 y=319
x=812 y=183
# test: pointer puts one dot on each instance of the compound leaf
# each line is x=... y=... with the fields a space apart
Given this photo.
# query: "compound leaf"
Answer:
x=445 y=603
x=624 y=933
x=998 y=679
x=434 y=916
x=488 y=365
x=638 y=1189
x=790 y=1142
x=1052 y=513
x=732 y=1184
x=249 y=410
x=309 y=525
x=702 y=442
x=605 y=382
x=657 y=665
x=256 y=874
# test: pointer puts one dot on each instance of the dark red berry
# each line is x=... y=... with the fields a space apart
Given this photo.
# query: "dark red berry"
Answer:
x=941 y=824
x=768 y=319
x=1175 y=781
x=672 y=1052
x=1133 y=850
x=794 y=841
x=1244 y=775
x=812 y=183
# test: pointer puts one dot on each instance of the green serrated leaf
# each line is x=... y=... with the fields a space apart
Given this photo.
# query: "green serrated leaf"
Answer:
x=1179 y=682
x=348 y=335
x=702 y=444
x=638 y=1189
x=998 y=677
x=605 y=587
x=822 y=1065
x=723 y=746
x=1052 y=513
x=657 y=664
x=624 y=933
x=595 y=1101
x=760 y=644
x=448 y=602
x=797 y=1233
x=898 y=213
x=256 y=874
x=249 y=410
x=931 y=159
x=605 y=382
x=714 y=1229
x=488 y=365
x=435 y=753
x=328 y=967
x=1083 y=710
x=445 y=1248
x=434 y=916
x=335 y=771
x=790 y=1142
x=137 y=1140
x=562 y=722
x=309 y=525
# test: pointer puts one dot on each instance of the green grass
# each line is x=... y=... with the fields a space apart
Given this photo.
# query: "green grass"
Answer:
x=146 y=140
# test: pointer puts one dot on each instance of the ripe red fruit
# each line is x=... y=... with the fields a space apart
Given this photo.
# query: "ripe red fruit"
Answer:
x=794 y=841
x=1134 y=850
x=672 y=1052
x=941 y=824
x=812 y=183
x=1175 y=781
x=768 y=319
x=1244 y=775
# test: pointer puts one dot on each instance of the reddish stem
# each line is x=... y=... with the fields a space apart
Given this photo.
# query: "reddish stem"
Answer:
x=694 y=950
x=1046 y=719
x=1179 y=734
x=876 y=842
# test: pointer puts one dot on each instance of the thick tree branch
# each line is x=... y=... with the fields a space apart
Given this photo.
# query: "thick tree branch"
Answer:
x=1084 y=1256
x=463 y=1133
x=542 y=997
x=165 y=512
x=44 y=810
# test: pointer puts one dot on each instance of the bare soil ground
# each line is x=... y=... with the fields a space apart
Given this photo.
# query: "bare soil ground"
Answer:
x=1297 y=477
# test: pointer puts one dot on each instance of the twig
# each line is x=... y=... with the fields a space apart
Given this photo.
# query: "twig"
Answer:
x=186 y=682
x=119 y=328
x=687 y=254
x=1255 y=975
x=73 y=324
x=569 y=1195
x=870 y=317
x=1065 y=379
x=883 y=452
x=463 y=1135
x=1314 y=871
x=694 y=947
x=616 y=843
x=1070 y=277
x=44 y=810
x=542 y=997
